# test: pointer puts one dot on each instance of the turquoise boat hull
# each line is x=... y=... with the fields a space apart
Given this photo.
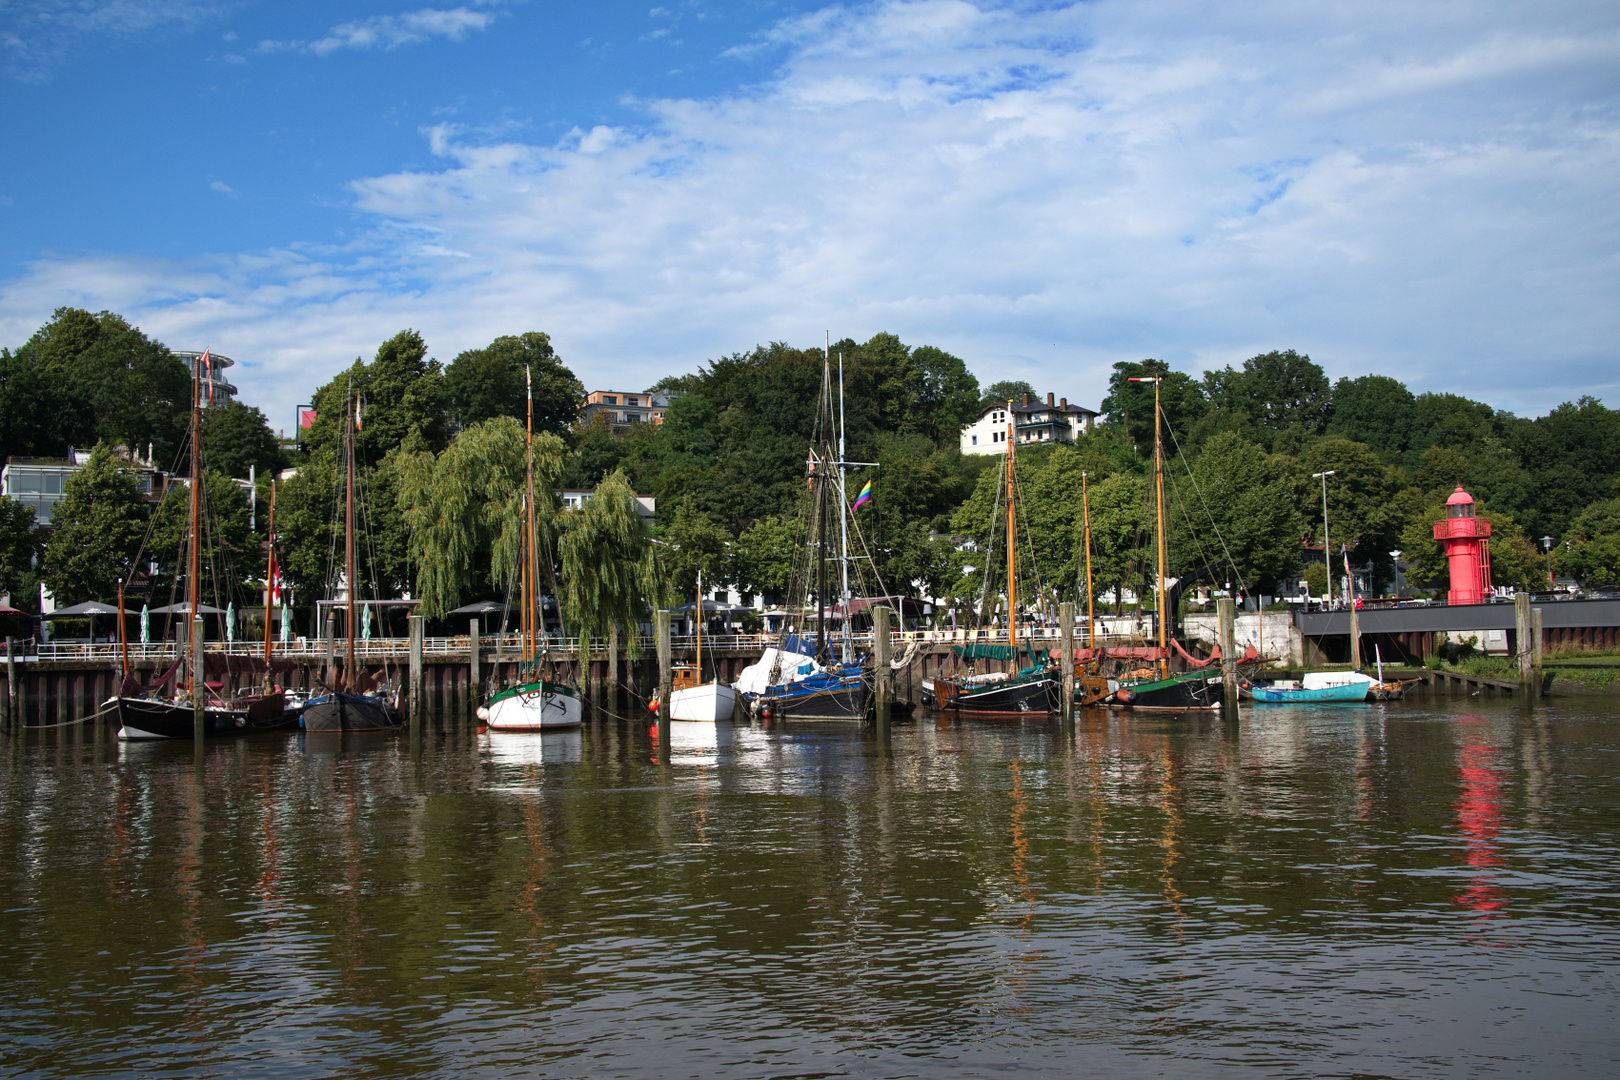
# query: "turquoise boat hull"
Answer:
x=1356 y=691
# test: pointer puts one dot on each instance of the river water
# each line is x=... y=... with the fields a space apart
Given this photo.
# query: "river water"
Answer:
x=1415 y=889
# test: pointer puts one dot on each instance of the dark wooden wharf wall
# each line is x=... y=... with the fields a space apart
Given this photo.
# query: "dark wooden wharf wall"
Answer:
x=60 y=692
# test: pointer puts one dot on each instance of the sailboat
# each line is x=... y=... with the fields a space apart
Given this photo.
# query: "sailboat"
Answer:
x=1035 y=688
x=354 y=701
x=1190 y=690
x=144 y=712
x=535 y=703
x=690 y=698
x=792 y=685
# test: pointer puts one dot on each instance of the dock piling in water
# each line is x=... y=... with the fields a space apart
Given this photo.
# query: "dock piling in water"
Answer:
x=475 y=667
x=661 y=629
x=883 y=687
x=199 y=688
x=1066 y=647
x=1226 y=615
x=417 y=705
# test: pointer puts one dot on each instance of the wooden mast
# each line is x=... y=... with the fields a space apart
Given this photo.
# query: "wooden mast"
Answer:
x=195 y=576
x=531 y=586
x=1158 y=484
x=698 y=615
x=1091 y=615
x=1012 y=581
x=348 y=536
x=269 y=580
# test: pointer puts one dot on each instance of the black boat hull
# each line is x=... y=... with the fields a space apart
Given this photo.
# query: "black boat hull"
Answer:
x=1177 y=695
x=144 y=718
x=1002 y=699
x=349 y=712
x=847 y=702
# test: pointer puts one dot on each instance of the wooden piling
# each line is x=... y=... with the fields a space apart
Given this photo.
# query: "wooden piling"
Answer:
x=13 y=691
x=1521 y=629
x=613 y=666
x=883 y=688
x=1226 y=616
x=1066 y=648
x=199 y=691
x=417 y=702
x=661 y=631
x=475 y=669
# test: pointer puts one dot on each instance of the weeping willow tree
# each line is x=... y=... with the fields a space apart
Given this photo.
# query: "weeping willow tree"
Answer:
x=609 y=572
x=468 y=501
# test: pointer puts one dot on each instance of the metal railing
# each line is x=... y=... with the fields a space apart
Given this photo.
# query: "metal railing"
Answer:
x=509 y=646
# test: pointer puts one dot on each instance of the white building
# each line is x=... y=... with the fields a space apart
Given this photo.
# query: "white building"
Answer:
x=1033 y=421
x=574 y=498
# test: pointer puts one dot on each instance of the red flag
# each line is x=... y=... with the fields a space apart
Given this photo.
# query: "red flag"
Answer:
x=275 y=578
x=206 y=366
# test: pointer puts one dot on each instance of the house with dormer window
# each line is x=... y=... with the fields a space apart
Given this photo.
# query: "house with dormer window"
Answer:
x=1034 y=422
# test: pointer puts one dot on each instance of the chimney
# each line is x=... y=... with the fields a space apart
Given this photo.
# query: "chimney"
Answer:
x=1048 y=401
x=1026 y=401
x=1063 y=403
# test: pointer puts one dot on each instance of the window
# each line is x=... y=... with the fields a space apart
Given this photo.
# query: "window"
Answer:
x=975 y=441
x=609 y=399
x=52 y=483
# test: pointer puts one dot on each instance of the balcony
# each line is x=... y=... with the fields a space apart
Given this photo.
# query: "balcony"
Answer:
x=1461 y=527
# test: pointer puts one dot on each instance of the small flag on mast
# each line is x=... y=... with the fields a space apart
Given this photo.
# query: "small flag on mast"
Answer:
x=864 y=497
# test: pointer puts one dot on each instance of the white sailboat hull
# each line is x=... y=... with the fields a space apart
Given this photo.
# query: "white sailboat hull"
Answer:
x=532 y=709
x=708 y=703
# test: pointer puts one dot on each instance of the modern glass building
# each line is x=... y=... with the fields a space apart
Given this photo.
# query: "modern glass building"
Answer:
x=222 y=390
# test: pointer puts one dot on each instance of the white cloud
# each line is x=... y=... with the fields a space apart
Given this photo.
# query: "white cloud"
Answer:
x=38 y=34
x=390 y=31
x=222 y=187
x=1429 y=193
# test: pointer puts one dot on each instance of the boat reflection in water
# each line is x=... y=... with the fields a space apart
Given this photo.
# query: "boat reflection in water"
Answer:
x=532 y=748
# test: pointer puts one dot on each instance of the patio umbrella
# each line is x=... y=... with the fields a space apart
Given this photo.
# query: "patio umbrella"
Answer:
x=286 y=624
x=365 y=622
x=230 y=621
x=146 y=624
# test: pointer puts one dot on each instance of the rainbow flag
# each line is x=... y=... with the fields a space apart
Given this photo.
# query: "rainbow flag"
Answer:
x=864 y=497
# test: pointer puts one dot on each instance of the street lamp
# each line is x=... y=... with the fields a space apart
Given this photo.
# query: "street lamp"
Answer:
x=1546 y=544
x=1327 y=547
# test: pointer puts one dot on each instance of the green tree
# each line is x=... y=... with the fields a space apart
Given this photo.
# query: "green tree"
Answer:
x=1003 y=391
x=1129 y=405
x=226 y=546
x=308 y=525
x=695 y=543
x=609 y=574
x=489 y=382
x=1590 y=552
x=19 y=547
x=236 y=436
x=1366 y=506
x=97 y=528
x=1240 y=505
x=41 y=412
x=1376 y=410
x=463 y=510
x=763 y=556
x=138 y=393
x=1121 y=533
x=945 y=395
x=399 y=394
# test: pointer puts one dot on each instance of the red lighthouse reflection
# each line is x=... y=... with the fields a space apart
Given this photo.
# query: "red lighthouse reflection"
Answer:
x=1479 y=817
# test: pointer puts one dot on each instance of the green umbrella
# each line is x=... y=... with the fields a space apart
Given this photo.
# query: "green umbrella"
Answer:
x=365 y=622
x=146 y=624
x=230 y=621
x=286 y=624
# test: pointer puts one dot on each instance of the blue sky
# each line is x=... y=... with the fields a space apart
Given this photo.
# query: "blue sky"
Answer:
x=1427 y=191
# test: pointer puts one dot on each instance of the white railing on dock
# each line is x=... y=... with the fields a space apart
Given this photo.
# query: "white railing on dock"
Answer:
x=109 y=653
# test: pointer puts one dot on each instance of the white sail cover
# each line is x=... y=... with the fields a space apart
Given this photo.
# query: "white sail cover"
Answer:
x=755 y=679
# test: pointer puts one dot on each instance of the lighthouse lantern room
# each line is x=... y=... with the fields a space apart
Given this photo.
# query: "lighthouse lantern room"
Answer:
x=1466 y=539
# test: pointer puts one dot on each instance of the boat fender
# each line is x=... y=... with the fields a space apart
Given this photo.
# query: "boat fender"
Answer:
x=483 y=712
x=652 y=706
x=1124 y=697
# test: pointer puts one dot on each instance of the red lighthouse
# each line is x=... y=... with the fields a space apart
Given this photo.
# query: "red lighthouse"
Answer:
x=1468 y=548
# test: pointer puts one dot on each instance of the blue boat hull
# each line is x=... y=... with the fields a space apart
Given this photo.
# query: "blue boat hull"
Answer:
x=1356 y=691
